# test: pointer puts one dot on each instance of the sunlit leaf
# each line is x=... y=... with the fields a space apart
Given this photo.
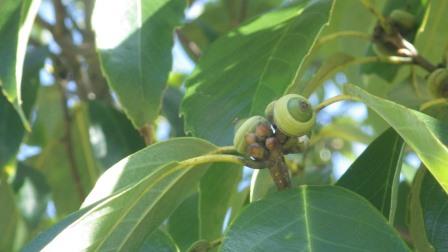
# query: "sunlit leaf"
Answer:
x=424 y=134
x=134 y=41
x=249 y=67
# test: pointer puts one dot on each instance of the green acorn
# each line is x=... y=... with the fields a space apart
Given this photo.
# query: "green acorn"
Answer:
x=294 y=115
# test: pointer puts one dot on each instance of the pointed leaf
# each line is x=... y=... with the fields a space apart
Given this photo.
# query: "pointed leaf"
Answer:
x=375 y=173
x=134 y=197
x=133 y=168
x=134 y=41
x=426 y=135
x=312 y=218
x=249 y=67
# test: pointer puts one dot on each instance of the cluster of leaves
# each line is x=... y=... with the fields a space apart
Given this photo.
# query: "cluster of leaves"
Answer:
x=86 y=84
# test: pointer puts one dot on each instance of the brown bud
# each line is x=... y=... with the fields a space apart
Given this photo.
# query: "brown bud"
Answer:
x=250 y=138
x=263 y=131
x=271 y=143
x=256 y=151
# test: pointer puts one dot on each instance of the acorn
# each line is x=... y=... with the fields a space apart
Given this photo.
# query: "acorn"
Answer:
x=438 y=83
x=254 y=129
x=294 y=115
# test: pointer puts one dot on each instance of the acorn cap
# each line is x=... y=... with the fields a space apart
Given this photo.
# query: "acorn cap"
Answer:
x=294 y=115
x=247 y=127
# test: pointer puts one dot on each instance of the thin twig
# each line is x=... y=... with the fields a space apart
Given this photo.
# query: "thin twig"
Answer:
x=424 y=63
x=432 y=103
x=332 y=100
x=224 y=150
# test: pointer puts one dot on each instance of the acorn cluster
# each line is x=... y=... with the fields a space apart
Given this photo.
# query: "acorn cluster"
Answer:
x=286 y=126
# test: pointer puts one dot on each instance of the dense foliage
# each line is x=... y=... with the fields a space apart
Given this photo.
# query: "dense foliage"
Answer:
x=223 y=125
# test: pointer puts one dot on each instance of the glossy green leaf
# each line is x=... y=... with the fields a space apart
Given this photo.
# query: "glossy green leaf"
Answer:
x=249 y=67
x=219 y=17
x=183 y=224
x=153 y=158
x=375 y=173
x=135 y=196
x=112 y=135
x=16 y=20
x=431 y=39
x=217 y=188
x=343 y=19
x=41 y=240
x=9 y=216
x=429 y=208
x=134 y=41
x=312 y=218
x=424 y=134
x=158 y=241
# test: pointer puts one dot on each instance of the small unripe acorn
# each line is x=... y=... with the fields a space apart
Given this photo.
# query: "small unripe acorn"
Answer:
x=438 y=83
x=294 y=115
x=246 y=133
x=403 y=20
x=263 y=131
x=256 y=151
